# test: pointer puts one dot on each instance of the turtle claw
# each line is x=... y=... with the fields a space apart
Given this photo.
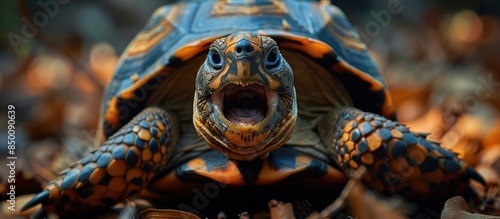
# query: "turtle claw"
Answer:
x=473 y=174
x=40 y=198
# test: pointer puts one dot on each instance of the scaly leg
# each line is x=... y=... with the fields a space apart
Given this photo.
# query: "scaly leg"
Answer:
x=120 y=168
x=397 y=160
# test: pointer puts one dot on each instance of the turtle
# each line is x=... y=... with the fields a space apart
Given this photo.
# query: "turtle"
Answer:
x=243 y=96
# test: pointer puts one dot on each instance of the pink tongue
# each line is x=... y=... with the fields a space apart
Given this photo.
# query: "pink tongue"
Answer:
x=245 y=116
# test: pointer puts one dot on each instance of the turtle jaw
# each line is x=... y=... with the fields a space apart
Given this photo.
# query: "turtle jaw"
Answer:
x=245 y=114
x=245 y=105
x=249 y=120
x=241 y=132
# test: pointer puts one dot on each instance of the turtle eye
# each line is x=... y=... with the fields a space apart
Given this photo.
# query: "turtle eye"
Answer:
x=215 y=59
x=272 y=59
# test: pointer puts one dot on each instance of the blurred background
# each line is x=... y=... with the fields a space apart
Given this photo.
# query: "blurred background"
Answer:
x=441 y=61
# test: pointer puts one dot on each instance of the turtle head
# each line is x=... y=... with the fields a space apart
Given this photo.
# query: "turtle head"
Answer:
x=244 y=104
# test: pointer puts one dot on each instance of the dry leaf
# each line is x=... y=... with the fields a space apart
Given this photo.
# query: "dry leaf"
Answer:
x=456 y=208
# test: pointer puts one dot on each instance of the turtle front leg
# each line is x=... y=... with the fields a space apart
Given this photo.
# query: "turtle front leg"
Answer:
x=397 y=160
x=120 y=168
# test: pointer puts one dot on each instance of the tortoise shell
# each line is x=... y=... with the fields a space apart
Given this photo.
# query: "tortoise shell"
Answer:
x=177 y=33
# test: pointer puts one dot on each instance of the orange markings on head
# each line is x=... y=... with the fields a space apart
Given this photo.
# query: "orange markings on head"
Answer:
x=249 y=137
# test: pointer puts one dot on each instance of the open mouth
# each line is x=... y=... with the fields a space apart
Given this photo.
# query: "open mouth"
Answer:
x=245 y=105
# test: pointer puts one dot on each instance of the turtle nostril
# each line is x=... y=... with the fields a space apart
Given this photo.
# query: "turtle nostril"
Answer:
x=244 y=47
x=248 y=49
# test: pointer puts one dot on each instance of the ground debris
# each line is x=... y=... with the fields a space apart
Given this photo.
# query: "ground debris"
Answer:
x=456 y=208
